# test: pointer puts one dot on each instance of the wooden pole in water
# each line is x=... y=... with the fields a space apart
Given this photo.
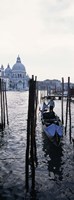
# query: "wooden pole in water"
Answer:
x=28 y=137
x=66 y=116
x=0 y=95
x=1 y=103
x=6 y=105
x=3 y=96
x=32 y=133
x=62 y=100
x=69 y=108
x=35 y=117
x=31 y=124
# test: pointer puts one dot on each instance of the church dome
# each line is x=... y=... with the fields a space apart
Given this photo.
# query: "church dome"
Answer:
x=18 y=65
x=2 y=67
x=8 y=69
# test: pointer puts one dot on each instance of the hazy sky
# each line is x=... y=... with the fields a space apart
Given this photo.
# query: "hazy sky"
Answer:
x=42 y=33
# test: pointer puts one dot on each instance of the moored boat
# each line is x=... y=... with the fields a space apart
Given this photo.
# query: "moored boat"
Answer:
x=52 y=127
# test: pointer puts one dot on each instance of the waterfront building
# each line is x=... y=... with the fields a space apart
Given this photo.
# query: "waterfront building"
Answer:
x=17 y=76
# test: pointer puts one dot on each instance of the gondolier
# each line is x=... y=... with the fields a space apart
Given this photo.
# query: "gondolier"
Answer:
x=44 y=108
x=51 y=104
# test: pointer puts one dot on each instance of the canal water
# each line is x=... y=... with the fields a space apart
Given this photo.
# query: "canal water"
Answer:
x=54 y=178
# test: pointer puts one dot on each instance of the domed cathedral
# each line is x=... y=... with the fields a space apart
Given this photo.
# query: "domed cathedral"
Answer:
x=18 y=78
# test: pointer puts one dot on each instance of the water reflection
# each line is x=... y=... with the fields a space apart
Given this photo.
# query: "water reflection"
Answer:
x=53 y=155
x=1 y=138
x=50 y=160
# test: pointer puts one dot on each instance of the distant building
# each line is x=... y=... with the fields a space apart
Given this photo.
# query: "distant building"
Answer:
x=49 y=85
x=16 y=78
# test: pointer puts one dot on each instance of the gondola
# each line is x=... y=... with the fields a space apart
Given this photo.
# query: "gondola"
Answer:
x=52 y=127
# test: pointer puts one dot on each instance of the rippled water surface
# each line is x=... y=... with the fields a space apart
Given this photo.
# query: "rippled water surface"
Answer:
x=55 y=169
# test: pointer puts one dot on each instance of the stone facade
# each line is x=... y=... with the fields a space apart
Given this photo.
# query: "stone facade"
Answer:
x=18 y=78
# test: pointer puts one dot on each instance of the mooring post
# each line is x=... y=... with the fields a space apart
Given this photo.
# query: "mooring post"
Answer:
x=31 y=124
x=6 y=105
x=0 y=99
x=67 y=105
x=3 y=98
x=28 y=138
x=32 y=132
x=69 y=108
x=62 y=101
x=35 y=117
x=33 y=127
x=66 y=115
x=1 y=103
